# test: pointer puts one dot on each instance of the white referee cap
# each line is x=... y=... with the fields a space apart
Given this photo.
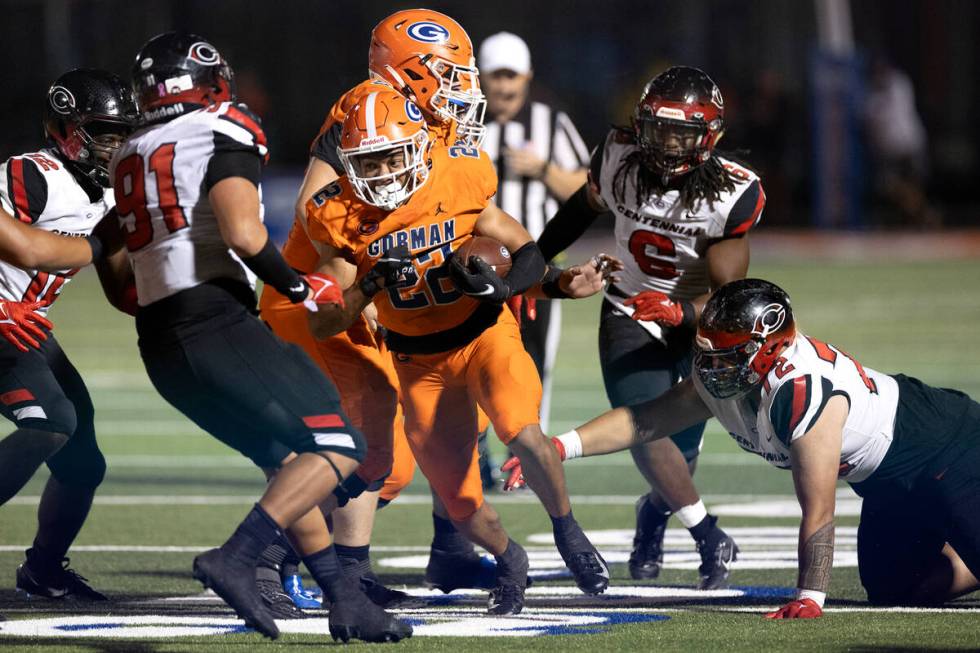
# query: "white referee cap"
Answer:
x=504 y=51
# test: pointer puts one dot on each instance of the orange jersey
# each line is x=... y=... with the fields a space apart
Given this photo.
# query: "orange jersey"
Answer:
x=437 y=219
x=298 y=250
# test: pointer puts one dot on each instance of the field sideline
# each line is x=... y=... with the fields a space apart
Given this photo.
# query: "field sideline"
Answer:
x=172 y=491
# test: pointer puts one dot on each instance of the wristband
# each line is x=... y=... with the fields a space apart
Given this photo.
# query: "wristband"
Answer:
x=271 y=267
x=816 y=596
x=96 y=244
x=369 y=285
x=550 y=285
x=572 y=442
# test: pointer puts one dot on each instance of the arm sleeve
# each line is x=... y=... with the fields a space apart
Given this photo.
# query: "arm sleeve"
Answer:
x=567 y=225
x=325 y=148
x=746 y=212
x=798 y=404
x=24 y=190
x=527 y=268
x=230 y=160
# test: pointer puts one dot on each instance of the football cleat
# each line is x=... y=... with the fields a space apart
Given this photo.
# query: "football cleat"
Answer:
x=647 y=556
x=56 y=582
x=718 y=552
x=508 y=596
x=307 y=599
x=385 y=597
x=270 y=589
x=356 y=617
x=452 y=571
x=234 y=582
x=590 y=571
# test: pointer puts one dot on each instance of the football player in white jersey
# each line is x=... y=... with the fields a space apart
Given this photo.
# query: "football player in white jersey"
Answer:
x=189 y=204
x=62 y=188
x=682 y=212
x=910 y=450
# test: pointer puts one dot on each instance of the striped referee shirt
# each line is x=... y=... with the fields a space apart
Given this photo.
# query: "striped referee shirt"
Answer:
x=554 y=139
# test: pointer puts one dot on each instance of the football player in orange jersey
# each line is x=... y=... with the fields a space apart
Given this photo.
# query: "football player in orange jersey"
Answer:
x=392 y=224
x=429 y=57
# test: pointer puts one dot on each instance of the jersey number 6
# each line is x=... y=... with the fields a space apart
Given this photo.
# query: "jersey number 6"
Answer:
x=639 y=244
x=130 y=190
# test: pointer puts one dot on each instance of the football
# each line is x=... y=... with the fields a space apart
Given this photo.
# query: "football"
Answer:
x=490 y=250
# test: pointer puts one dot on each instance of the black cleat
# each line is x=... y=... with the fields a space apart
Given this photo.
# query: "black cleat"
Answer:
x=387 y=598
x=452 y=571
x=590 y=571
x=56 y=582
x=647 y=556
x=235 y=583
x=718 y=552
x=276 y=600
x=356 y=617
x=508 y=595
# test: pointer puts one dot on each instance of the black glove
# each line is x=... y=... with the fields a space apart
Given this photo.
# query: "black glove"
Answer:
x=478 y=280
x=394 y=268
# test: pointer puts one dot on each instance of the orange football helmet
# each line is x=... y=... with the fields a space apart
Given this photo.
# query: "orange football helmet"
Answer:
x=429 y=57
x=384 y=147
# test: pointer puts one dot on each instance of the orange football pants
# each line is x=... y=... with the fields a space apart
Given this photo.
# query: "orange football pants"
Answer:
x=440 y=393
x=361 y=368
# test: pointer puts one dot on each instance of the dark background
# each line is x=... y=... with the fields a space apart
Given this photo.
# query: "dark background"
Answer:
x=293 y=59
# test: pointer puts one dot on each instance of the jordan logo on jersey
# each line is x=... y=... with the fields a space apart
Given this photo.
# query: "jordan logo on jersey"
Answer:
x=415 y=238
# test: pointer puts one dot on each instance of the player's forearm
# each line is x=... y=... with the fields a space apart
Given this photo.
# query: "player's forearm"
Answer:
x=563 y=183
x=610 y=432
x=568 y=224
x=816 y=553
x=331 y=320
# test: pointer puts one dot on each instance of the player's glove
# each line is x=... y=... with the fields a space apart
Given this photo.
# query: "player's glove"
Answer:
x=478 y=280
x=515 y=304
x=515 y=477
x=797 y=609
x=653 y=306
x=393 y=270
x=324 y=290
x=19 y=324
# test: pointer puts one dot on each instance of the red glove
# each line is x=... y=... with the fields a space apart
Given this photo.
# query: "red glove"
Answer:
x=515 y=303
x=19 y=324
x=797 y=609
x=515 y=480
x=325 y=291
x=654 y=306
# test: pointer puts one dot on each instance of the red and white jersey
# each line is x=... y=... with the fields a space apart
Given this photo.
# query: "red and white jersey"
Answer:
x=661 y=243
x=161 y=181
x=794 y=395
x=38 y=189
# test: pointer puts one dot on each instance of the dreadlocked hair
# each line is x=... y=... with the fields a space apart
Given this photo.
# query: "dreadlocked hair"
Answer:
x=705 y=182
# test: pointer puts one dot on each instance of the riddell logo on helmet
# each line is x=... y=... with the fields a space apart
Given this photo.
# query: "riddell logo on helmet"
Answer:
x=670 y=112
x=374 y=140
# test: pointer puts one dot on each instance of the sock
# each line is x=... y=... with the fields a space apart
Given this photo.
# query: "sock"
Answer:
x=565 y=525
x=649 y=515
x=275 y=553
x=511 y=562
x=355 y=560
x=446 y=538
x=326 y=570
x=703 y=528
x=290 y=564
x=256 y=532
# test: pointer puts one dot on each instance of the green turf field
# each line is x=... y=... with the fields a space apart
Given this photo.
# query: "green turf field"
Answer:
x=172 y=491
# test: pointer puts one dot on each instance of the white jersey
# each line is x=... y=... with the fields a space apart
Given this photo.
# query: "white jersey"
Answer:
x=794 y=394
x=161 y=179
x=662 y=244
x=38 y=189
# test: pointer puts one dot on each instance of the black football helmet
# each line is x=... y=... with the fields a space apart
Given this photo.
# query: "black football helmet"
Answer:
x=743 y=329
x=176 y=72
x=678 y=120
x=87 y=116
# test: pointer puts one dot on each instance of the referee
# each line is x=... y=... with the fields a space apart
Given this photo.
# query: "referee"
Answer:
x=540 y=160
